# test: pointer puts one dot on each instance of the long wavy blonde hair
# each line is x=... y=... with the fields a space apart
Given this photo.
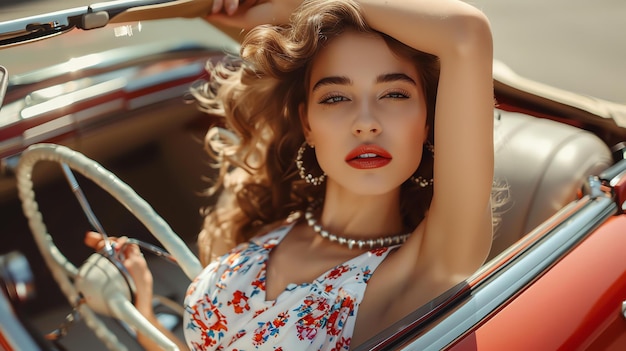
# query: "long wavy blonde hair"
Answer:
x=258 y=95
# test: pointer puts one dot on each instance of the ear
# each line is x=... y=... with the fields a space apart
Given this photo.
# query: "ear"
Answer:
x=304 y=121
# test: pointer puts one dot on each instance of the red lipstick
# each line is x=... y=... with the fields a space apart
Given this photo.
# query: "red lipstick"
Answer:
x=368 y=156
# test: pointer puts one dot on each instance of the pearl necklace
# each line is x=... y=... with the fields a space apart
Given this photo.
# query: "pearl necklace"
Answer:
x=352 y=243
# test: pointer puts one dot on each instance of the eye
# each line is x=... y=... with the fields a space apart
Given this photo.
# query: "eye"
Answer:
x=332 y=99
x=400 y=94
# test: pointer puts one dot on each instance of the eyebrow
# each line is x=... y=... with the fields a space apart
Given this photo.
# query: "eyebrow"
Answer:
x=394 y=77
x=383 y=78
x=333 y=80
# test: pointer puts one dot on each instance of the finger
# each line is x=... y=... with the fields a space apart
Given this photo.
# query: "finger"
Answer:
x=121 y=248
x=217 y=6
x=121 y=242
x=231 y=6
x=93 y=240
x=131 y=250
x=125 y=250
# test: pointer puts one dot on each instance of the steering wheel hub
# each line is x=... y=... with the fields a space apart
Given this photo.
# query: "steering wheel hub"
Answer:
x=98 y=279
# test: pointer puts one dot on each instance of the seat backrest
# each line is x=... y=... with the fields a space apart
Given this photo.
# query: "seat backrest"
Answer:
x=544 y=163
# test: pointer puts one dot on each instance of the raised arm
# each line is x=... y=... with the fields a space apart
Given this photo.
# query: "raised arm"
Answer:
x=458 y=231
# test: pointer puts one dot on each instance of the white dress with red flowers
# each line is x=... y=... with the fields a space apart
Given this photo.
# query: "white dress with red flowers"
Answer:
x=226 y=307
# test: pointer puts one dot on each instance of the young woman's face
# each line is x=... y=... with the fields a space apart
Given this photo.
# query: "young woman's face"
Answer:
x=366 y=114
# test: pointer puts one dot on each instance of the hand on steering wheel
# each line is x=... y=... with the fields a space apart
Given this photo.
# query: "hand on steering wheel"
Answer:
x=132 y=259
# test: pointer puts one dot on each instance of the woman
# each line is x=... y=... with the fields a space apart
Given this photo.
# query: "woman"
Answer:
x=363 y=160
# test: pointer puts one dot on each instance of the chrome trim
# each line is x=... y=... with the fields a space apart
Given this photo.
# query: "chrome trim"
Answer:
x=45 y=113
x=4 y=83
x=17 y=278
x=12 y=329
x=49 y=24
x=594 y=185
x=614 y=174
x=110 y=58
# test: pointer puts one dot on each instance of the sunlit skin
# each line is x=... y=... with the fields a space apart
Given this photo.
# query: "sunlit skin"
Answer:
x=367 y=107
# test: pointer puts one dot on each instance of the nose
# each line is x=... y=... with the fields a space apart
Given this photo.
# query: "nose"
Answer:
x=366 y=124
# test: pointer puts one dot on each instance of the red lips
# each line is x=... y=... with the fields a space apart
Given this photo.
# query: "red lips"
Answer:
x=368 y=156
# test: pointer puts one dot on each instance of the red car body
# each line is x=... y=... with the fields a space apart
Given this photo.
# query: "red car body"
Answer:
x=590 y=316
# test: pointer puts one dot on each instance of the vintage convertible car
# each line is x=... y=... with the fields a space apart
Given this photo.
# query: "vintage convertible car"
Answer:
x=112 y=88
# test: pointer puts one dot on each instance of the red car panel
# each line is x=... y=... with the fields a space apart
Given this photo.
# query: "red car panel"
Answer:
x=575 y=305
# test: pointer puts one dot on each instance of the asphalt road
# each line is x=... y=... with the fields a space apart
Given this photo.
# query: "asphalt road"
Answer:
x=578 y=45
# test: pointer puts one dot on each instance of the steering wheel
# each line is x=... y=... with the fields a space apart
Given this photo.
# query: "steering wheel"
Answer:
x=101 y=281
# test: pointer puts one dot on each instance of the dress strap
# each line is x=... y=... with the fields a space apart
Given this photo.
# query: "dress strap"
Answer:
x=274 y=236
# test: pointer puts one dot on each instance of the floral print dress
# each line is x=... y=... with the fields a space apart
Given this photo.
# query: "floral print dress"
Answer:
x=226 y=307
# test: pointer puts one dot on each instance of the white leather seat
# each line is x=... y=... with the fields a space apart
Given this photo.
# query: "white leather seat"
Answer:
x=544 y=163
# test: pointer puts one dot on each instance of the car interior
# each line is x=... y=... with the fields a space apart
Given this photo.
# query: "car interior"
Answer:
x=543 y=160
x=543 y=164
